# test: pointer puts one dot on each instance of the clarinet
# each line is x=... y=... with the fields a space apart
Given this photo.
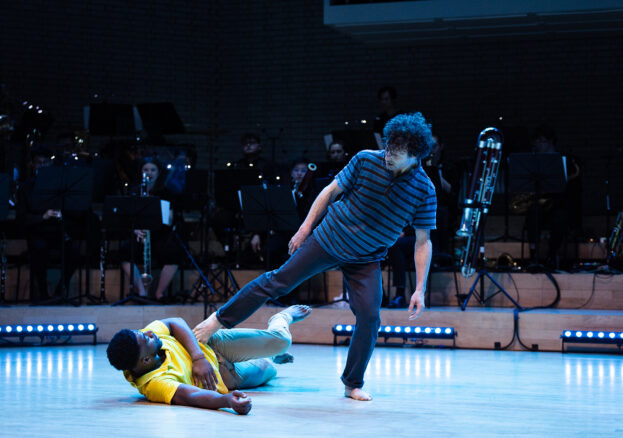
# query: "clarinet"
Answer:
x=146 y=276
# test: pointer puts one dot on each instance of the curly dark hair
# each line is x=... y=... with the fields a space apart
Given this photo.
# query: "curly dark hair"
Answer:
x=123 y=350
x=410 y=132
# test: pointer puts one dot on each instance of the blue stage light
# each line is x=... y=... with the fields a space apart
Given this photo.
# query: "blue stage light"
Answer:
x=80 y=327
x=48 y=332
x=406 y=333
x=591 y=337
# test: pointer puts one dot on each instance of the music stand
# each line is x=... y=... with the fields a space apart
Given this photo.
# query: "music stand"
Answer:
x=538 y=174
x=111 y=119
x=268 y=209
x=68 y=189
x=4 y=212
x=131 y=213
x=356 y=140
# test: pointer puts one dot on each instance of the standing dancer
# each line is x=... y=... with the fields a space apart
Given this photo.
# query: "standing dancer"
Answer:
x=383 y=191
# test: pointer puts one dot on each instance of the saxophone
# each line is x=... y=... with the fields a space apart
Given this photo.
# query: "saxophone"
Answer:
x=146 y=276
x=478 y=198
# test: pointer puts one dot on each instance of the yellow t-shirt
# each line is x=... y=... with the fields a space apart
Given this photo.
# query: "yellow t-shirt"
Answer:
x=160 y=384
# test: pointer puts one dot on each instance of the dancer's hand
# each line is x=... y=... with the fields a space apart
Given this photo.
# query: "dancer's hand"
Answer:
x=203 y=374
x=298 y=239
x=239 y=402
x=417 y=301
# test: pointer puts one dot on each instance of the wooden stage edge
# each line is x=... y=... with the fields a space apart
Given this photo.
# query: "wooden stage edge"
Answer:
x=477 y=328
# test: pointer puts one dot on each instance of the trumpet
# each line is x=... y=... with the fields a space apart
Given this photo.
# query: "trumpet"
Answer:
x=146 y=276
x=478 y=197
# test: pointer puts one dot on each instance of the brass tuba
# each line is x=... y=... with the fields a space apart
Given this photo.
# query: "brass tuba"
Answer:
x=478 y=197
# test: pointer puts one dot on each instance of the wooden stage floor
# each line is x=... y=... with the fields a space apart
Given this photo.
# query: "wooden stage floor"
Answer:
x=72 y=391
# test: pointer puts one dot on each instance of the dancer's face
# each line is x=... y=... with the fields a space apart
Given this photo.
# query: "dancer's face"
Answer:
x=149 y=345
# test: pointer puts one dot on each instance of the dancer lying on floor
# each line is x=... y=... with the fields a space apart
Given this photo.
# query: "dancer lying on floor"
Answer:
x=167 y=364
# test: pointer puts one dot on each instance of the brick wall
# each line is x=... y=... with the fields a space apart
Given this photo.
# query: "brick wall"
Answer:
x=273 y=65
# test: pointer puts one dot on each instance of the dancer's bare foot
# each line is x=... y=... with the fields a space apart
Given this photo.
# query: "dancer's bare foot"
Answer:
x=357 y=394
x=283 y=358
x=297 y=313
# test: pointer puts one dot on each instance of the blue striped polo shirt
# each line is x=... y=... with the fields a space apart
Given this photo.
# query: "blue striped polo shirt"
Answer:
x=375 y=208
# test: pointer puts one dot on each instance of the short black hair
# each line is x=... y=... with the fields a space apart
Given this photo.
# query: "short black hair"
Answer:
x=250 y=136
x=413 y=131
x=546 y=131
x=391 y=90
x=123 y=350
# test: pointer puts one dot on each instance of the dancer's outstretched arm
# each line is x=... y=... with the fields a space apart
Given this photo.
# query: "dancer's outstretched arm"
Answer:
x=188 y=395
x=317 y=210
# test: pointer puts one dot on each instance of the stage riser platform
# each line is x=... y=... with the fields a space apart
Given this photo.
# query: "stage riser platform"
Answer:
x=477 y=328
x=532 y=290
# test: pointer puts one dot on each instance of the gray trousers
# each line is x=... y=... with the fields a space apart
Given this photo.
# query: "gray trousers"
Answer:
x=365 y=293
x=243 y=354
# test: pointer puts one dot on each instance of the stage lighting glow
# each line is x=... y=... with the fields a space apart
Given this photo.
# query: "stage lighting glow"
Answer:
x=591 y=337
x=80 y=327
x=406 y=333
x=51 y=333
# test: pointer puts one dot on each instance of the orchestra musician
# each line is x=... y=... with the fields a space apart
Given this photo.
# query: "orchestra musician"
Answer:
x=164 y=243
